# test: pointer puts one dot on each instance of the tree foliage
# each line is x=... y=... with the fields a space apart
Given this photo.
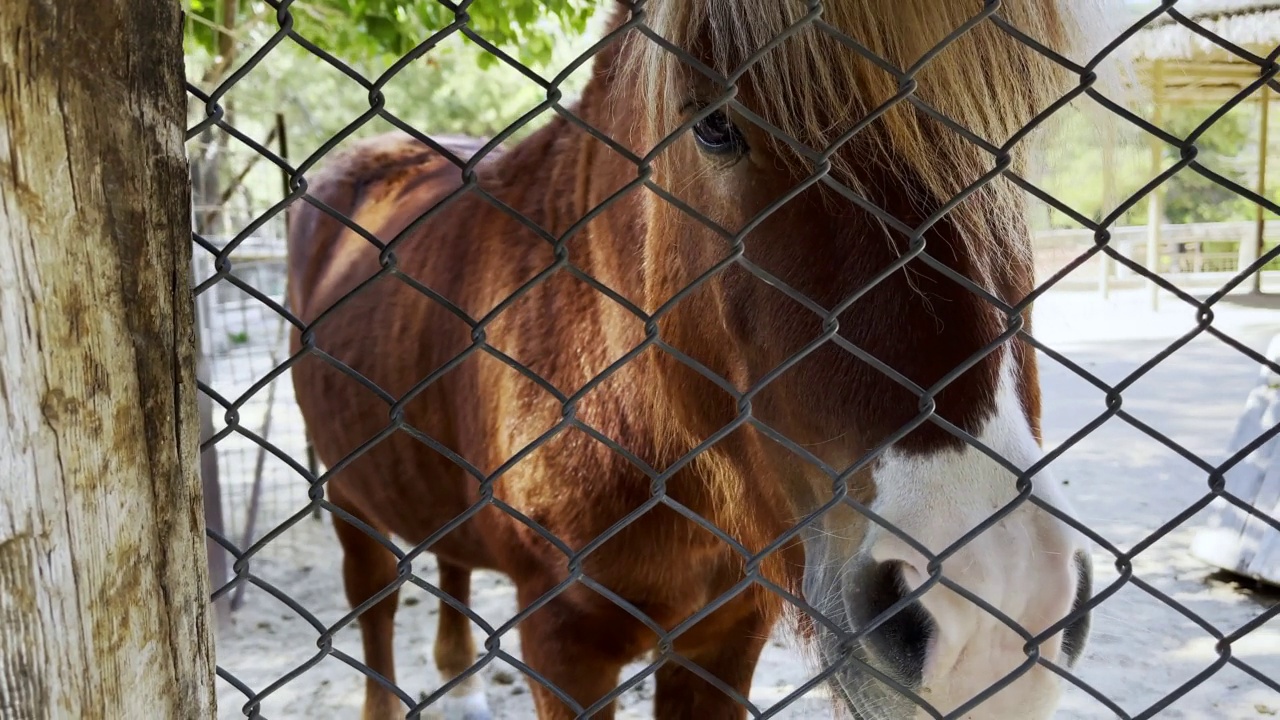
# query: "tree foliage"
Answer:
x=357 y=30
x=457 y=87
x=1229 y=148
x=1075 y=165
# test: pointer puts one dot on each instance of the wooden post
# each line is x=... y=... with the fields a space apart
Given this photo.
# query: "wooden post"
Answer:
x=103 y=587
x=1254 y=283
x=1155 y=201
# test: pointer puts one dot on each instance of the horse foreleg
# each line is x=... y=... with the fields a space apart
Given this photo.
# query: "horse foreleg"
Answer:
x=455 y=648
x=727 y=646
x=566 y=651
x=368 y=568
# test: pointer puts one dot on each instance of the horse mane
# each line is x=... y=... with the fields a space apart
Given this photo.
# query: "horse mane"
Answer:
x=813 y=88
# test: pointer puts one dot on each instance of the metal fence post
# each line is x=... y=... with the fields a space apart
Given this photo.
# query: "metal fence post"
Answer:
x=103 y=587
x=211 y=485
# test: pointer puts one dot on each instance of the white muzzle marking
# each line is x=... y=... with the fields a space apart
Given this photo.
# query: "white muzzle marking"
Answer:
x=1024 y=565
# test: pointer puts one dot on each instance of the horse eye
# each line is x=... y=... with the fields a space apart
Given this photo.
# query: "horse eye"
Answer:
x=718 y=136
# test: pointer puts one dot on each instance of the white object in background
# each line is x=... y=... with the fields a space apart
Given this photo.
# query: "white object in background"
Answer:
x=1234 y=539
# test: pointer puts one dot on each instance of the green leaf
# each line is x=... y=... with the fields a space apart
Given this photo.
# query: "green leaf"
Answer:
x=384 y=30
x=361 y=30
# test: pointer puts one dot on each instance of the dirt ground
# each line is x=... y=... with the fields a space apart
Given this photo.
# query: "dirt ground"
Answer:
x=1122 y=483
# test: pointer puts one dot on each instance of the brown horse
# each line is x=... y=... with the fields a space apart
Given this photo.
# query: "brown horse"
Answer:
x=681 y=339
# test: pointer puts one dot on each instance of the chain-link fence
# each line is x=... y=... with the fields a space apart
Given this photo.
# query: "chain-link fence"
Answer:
x=507 y=338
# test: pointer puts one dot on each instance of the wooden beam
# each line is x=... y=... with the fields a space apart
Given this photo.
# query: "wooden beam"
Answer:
x=1155 y=201
x=1196 y=82
x=1106 y=265
x=1173 y=71
x=1254 y=283
x=103 y=587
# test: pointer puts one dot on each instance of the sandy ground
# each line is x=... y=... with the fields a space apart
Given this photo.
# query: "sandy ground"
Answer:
x=1123 y=484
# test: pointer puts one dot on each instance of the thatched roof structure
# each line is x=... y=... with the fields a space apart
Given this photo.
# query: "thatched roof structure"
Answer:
x=1254 y=25
x=1195 y=68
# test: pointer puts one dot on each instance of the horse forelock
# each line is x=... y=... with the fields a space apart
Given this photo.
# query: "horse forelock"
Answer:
x=813 y=86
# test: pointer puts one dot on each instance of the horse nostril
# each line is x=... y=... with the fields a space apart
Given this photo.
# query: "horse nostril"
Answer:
x=902 y=640
x=1075 y=634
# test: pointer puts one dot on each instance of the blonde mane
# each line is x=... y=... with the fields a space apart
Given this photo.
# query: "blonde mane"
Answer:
x=814 y=88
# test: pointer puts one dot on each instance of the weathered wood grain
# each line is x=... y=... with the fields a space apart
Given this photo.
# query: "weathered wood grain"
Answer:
x=103 y=587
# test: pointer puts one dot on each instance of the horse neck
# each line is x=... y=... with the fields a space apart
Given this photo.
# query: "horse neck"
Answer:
x=563 y=179
x=561 y=175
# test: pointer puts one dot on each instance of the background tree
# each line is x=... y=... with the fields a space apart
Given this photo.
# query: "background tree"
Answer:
x=1071 y=167
x=457 y=87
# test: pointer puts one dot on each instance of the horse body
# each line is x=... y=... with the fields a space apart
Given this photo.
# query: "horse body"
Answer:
x=704 y=412
x=485 y=412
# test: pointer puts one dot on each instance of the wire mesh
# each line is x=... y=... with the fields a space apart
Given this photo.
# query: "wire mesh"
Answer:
x=232 y=273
